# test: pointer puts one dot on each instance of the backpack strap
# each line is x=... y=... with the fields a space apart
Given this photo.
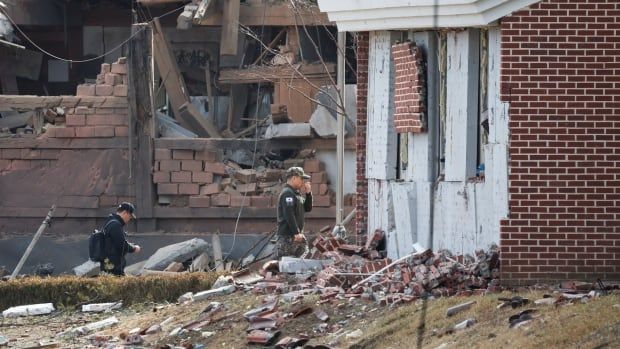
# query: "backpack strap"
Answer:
x=103 y=229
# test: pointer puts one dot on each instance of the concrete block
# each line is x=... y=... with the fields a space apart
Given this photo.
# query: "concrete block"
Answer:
x=119 y=68
x=189 y=189
x=294 y=130
x=217 y=168
x=85 y=131
x=298 y=265
x=191 y=165
x=104 y=131
x=210 y=189
x=106 y=68
x=104 y=90
x=28 y=310
x=181 y=177
x=215 y=292
x=179 y=252
x=313 y=165
x=323 y=123
x=183 y=154
x=245 y=176
x=100 y=307
x=202 y=177
x=162 y=154
x=239 y=200
x=246 y=188
x=167 y=189
x=321 y=200
x=120 y=91
x=170 y=165
x=319 y=177
x=200 y=263
x=88 y=268
x=199 y=201
x=206 y=155
x=260 y=201
x=220 y=200
x=112 y=79
x=161 y=177
x=121 y=131
x=86 y=90
x=75 y=120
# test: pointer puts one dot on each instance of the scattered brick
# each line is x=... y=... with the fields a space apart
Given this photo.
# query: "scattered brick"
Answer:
x=217 y=168
x=119 y=68
x=86 y=90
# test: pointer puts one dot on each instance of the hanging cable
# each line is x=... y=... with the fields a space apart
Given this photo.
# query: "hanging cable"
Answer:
x=80 y=60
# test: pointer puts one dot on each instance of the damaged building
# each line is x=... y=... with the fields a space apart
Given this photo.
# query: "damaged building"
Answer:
x=485 y=122
x=193 y=113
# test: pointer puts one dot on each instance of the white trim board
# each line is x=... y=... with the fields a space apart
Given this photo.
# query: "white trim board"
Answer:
x=364 y=15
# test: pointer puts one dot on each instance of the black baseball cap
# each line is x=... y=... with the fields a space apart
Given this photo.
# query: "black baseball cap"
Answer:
x=129 y=207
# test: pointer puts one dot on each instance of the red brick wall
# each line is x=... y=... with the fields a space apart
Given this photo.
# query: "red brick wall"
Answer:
x=409 y=88
x=561 y=75
x=361 y=200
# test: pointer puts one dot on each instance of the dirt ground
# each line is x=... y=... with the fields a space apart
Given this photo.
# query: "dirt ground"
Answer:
x=352 y=323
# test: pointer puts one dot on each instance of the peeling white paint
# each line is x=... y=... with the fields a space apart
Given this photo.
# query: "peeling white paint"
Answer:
x=381 y=136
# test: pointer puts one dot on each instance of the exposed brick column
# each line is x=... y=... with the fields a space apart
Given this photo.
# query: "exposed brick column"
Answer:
x=361 y=200
x=409 y=88
x=560 y=76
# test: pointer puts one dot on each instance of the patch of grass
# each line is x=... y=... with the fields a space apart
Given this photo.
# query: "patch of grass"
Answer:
x=68 y=291
x=589 y=325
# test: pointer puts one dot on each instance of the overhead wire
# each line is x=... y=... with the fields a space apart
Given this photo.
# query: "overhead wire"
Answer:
x=42 y=50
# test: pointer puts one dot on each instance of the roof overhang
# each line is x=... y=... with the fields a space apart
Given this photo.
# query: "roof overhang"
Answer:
x=364 y=15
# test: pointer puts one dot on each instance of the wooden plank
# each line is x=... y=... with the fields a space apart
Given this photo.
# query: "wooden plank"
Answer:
x=25 y=102
x=168 y=69
x=405 y=219
x=381 y=155
x=274 y=15
x=257 y=74
x=217 y=251
x=45 y=224
x=230 y=28
x=63 y=143
x=462 y=105
x=197 y=122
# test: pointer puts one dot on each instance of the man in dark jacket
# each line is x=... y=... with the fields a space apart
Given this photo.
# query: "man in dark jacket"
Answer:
x=294 y=201
x=116 y=243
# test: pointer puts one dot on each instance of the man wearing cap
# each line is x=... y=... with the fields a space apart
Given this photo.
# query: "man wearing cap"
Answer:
x=294 y=201
x=116 y=242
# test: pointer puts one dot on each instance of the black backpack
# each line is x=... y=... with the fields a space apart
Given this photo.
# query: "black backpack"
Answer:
x=97 y=251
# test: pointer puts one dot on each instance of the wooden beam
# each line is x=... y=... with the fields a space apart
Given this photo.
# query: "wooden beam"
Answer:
x=230 y=28
x=274 y=15
x=257 y=74
x=198 y=123
x=167 y=66
x=24 y=102
x=184 y=111
x=271 y=45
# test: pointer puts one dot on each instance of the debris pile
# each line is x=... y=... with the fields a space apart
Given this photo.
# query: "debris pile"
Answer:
x=360 y=272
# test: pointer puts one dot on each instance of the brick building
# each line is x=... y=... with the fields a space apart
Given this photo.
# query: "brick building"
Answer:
x=506 y=131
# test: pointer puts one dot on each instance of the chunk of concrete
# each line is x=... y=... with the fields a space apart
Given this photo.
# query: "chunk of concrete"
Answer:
x=299 y=265
x=179 y=252
x=135 y=269
x=324 y=123
x=28 y=310
x=200 y=263
x=88 y=268
x=295 y=130
x=174 y=267
x=186 y=297
x=214 y=292
x=93 y=326
x=99 y=307
x=223 y=280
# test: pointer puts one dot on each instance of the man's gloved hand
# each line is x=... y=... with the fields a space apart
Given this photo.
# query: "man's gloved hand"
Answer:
x=299 y=237
x=136 y=249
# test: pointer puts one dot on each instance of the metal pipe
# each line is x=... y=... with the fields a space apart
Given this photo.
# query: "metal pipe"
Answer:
x=37 y=235
x=340 y=130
